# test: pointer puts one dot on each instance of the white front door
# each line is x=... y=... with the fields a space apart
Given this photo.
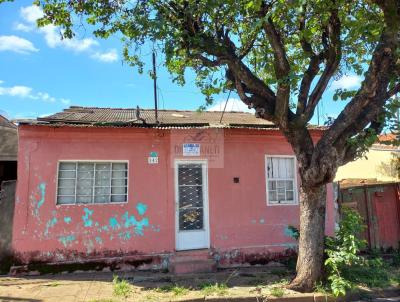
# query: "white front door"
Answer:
x=191 y=191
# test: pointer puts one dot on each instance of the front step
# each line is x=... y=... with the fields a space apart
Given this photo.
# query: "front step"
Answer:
x=191 y=262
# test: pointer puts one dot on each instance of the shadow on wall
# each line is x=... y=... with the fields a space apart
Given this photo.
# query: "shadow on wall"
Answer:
x=7 y=201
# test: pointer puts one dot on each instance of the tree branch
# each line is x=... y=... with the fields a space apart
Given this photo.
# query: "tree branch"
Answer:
x=373 y=94
x=282 y=71
x=333 y=55
x=395 y=90
x=352 y=151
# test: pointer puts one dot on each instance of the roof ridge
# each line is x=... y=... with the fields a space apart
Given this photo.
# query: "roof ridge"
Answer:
x=150 y=109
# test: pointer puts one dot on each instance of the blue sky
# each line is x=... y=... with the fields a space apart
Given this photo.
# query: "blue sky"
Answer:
x=41 y=74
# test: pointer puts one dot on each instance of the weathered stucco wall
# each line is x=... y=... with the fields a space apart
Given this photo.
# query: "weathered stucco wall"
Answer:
x=7 y=198
x=377 y=164
x=240 y=219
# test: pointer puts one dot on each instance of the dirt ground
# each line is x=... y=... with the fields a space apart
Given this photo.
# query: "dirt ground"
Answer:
x=145 y=286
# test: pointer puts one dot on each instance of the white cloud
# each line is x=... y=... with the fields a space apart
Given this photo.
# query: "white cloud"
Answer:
x=16 y=44
x=28 y=93
x=53 y=39
x=1 y=82
x=107 y=57
x=347 y=82
x=23 y=27
x=233 y=105
x=65 y=101
x=31 y=13
x=52 y=36
x=18 y=91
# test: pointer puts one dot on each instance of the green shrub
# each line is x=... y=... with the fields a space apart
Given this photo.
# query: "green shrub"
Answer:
x=121 y=288
x=345 y=267
x=277 y=292
x=175 y=289
x=219 y=289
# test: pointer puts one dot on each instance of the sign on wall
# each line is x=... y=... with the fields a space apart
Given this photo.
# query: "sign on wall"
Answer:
x=191 y=149
x=153 y=158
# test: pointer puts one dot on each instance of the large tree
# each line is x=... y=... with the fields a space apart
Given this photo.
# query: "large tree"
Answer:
x=280 y=57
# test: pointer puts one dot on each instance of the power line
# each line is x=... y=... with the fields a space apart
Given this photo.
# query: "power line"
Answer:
x=226 y=103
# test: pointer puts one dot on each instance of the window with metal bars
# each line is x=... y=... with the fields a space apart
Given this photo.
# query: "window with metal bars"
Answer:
x=92 y=182
x=281 y=182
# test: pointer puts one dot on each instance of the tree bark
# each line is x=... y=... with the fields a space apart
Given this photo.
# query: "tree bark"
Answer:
x=311 y=241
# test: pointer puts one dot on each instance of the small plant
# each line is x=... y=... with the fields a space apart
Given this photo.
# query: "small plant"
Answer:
x=175 y=289
x=219 y=289
x=277 y=292
x=344 y=265
x=321 y=288
x=122 y=287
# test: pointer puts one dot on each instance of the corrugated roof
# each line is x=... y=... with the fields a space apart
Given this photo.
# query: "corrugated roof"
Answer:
x=95 y=115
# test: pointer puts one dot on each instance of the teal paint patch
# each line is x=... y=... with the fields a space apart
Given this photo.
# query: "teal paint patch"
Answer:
x=126 y=235
x=67 y=219
x=51 y=223
x=289 y=232
x=87 y=221
x=130 y=221
x=67 y=240
x=114 y=223
x=40 y=202
x=262 y=221
x=141 y=208
x=42 y=188
x=99 y=240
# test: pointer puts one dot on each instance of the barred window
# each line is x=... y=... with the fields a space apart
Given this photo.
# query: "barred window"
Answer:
x=281 y=184
x=92 y=182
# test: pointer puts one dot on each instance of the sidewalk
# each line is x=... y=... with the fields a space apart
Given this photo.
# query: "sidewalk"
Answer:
x=253 y=284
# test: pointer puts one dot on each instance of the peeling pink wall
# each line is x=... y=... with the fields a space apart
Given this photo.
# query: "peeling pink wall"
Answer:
x=239 y=215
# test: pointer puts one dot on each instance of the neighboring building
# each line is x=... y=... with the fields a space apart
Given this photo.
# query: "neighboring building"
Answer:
x=378 y=203
x=101 y=182
x=378 y=163
x=8 y=150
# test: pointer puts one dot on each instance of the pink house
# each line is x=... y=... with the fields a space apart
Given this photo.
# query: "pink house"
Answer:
x=100 y=183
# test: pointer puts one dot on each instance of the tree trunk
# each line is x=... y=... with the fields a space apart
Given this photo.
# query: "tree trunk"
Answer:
x=311 y=241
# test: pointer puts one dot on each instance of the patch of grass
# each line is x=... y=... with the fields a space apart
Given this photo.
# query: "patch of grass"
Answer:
x=321 y=288
x=175 y=289
x=373 y=274
x=277 y=292
x=218 y=289
x=121 y=287
x=283 y=281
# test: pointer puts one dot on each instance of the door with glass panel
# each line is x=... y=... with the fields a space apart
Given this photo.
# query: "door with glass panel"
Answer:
x=192 y=227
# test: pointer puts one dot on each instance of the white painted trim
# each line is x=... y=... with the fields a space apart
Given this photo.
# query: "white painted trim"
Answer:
x=295 y=186
x=206 y=217
x=92 y=161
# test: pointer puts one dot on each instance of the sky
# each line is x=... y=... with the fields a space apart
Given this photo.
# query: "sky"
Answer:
x=41 y=74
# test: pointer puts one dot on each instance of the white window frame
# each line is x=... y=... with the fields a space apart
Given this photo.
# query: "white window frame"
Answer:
x=91 y=161
x=295 y=187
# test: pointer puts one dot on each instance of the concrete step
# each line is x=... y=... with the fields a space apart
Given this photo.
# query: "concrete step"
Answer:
x=203 y=254
x=180 y=266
